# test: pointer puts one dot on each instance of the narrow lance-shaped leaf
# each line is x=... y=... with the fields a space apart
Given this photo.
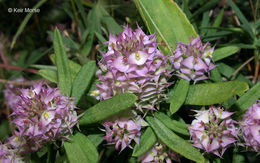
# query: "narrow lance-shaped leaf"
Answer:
x=173 y=141
x=179 y=95
x=214 y=93
x=246 y=100
x=224 y=52
x=82 y=80
x=147 y=140
x=172 y=124
x=108 y=108
x=64 y=75
x=80 y=149
x=242 y=18
x=167 y=20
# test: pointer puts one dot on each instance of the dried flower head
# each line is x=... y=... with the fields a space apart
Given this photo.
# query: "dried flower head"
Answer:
x=251 y=127
x=159 y=153
x=134 y=64
x=213 y=130
x=42 y=115
x=193 y=61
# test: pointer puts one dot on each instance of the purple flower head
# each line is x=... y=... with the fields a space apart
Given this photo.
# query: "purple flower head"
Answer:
x=122 y=131
x=42 y=115
x=11 y=93
x=193 y=61
x=251 y=127
x=9 y=155
x=134 y=64
x=213 y=130
x=159 y=153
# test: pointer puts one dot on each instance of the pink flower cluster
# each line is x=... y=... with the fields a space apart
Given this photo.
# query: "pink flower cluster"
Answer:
x=9 y=155
x=251 y=127
x=41 y=114
x=122 y=131
x=134 y=64
x=159 y=153
x=193 y=61
x=213 y=130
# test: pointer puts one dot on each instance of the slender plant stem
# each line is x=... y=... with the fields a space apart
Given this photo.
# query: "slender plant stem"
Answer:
x=24 y=83
x=243 y=65
x=253 y=9
x=18 y=68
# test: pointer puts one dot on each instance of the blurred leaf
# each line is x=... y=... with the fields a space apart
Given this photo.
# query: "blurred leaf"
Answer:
x=227 y=71
x=25 y=21
x=204 y=23
x=246 y=100
x=49 y=74
x=110 y=22
x=224 y=52
x=205 y=7
x=4 y=128
x=82 y=12
x=82 y=80
x=147 y=140
x=64 y=74
x=108 y=108
x=214 y=93
x=217 y=22
x=173 y=141
x=96 y=139
x=238 y=157
x=242 y=18
x=167 y=20
x=180 y=92
x=215 y=75
x=174 y=125
x=94 y=25
x=81 y=150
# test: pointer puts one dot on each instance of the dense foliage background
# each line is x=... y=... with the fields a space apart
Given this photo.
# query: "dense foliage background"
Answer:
x=26 y=50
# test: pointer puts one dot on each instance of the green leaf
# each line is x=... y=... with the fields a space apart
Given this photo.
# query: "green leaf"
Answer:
x=49 y=74
x=242 y=18
x=174 y=125
x=81 y=11
x=74 y=67
x=96 y=139
x=83 y=80
x=205 y=7
x=109 y=21
x=238 y=157
x=25 y=21
x=224 y=52
x=173 y=141
x=167 y=20
x=227 y=71
x=147 y=140
x=64 y=74
x=246 y=100
x=4 y=128
x=214 y=93
x=108 y=108
x=81 y=150
x=179 y=95
x=217 y=22
x=215 y=75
